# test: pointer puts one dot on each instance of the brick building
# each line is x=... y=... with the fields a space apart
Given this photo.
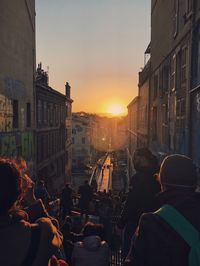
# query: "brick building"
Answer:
x=51 y=141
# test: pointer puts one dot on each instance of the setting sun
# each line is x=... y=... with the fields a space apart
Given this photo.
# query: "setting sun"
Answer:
x=116 y=109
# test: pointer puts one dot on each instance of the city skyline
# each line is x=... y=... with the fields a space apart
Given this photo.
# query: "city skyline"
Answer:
x=97 y=46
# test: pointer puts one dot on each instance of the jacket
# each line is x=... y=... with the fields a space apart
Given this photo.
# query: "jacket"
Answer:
x=91 y=251
x=156 y=243
x=141 y=197
x=15 y=232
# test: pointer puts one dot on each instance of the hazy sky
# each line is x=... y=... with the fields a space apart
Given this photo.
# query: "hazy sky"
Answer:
x=96 y=45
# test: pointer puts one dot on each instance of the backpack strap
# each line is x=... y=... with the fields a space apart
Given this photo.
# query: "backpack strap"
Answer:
x=33 y=247
x=185 y=229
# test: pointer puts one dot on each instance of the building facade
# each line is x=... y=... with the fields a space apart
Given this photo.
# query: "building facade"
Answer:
x=195 y=86
x=170 y=77
x=68 y=139
x=132 y=134
x=169 y=84
x=143 y=107
x=81 y=141
x=50 y=133
x=17 y=68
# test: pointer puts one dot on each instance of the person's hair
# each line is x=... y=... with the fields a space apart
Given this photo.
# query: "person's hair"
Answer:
x=68 y=219
x=148 y=155
x=89 y=229
x=41 y=182
x=10 y=184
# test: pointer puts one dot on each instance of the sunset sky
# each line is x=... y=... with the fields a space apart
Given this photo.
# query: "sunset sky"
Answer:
x=96 y=45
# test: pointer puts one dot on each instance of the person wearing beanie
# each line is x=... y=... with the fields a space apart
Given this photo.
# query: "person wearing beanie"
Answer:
x=141 y=197
x=156 y=241
x=178 y=171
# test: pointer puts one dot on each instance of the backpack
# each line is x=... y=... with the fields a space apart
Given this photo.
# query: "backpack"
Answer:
x=185 y=229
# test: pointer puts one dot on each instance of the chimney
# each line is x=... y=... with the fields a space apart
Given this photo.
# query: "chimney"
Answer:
x=67 y=90
x=42 y=76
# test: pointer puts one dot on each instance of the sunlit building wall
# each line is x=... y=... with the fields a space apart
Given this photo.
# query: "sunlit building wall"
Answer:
x=68 y=138
x=81 y=141
x=143 y=107
x=170 y=85
x=132 y=134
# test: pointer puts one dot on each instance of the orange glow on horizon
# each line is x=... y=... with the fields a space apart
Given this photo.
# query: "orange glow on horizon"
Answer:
x=116 y=109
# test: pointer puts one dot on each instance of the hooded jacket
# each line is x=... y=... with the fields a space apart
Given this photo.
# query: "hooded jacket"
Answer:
x=141 y=197
x=15 y=239
x=91 y=251
x=156 y=243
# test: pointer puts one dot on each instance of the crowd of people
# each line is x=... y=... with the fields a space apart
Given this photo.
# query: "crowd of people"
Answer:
x=156 y=223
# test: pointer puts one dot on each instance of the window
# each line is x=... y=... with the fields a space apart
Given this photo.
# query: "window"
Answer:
x=51 y=114
x=176 y=11
x=173 y=72
x=83 y=140
x=164 y=124
x=165 y=79
x=28 y=115
x=184 y=65
x=180 y=113
x=78 y=128
x=45 y=113
x=154 y=123
x=196 y=65
x=178 y=71
x=54 y=115
x=15 y=114
x=155 y=88
x=161 y=82
x=189 y=6
x=39 y=112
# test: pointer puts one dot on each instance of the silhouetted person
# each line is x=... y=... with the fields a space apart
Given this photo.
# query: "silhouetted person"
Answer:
x=23 y=243
x=141 y=197
x=86 y=194
x=94 y=184
x=66 y=202
x=92 y=250
x=157 y=241
x=41 y=192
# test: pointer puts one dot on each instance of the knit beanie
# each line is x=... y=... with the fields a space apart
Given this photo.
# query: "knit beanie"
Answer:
x=178 y=171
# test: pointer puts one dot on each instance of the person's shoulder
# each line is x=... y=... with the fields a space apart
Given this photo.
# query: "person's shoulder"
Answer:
x=78 y=245
x=149 y=220
x=104 y=244
x=49 y=231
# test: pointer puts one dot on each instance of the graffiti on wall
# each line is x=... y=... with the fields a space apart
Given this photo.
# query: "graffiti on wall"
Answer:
x=14 y=89
x=17 y=144
x=6 y=114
